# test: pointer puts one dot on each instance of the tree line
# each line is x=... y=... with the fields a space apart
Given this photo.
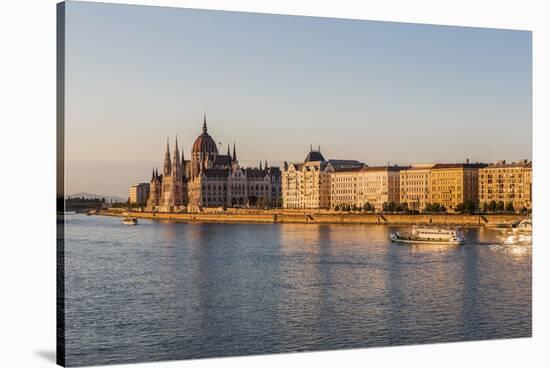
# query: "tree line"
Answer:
x=468 y=207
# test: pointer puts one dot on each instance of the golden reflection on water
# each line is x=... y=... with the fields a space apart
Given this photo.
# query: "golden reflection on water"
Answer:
x=429 y=248
x=168 y=230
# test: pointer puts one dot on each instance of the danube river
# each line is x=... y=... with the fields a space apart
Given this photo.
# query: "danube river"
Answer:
x=164 y=290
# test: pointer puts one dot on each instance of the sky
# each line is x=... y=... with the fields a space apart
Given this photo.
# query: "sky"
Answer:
x=377 y=92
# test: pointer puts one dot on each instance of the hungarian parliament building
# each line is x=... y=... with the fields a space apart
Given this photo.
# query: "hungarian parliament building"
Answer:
x=211 y=179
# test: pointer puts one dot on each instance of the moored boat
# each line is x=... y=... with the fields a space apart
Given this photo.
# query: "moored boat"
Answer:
x=430 y=234
x=129 y=221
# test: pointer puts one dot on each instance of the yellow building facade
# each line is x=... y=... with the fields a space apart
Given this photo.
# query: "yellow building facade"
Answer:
x=414 y=186
x=454 y=184
x=343 y=188
x=378 y=185
x=507 y=183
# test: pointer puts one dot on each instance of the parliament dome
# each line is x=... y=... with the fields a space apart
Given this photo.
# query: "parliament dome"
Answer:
x=204 y=143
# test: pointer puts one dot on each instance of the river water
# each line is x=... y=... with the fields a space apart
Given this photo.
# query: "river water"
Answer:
x=164 y=290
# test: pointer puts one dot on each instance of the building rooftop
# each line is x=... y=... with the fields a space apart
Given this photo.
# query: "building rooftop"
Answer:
x=385 y=168
x=314 y=156
x=211 y=173
x=504 y=164
x=420 y=167
x=466 y=165
x=344 y=165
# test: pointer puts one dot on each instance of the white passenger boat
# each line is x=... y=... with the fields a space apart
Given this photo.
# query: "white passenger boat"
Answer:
x=129 y=221
x=525 y=226
x=430 y=234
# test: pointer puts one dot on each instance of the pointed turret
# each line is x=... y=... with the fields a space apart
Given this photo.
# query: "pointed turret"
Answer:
x=228 y=152
x=204 y=128
x=153 y=176
x=176 y=163
x=167 y=162
x=260 y=165
x=234 y=153
x=265 y=166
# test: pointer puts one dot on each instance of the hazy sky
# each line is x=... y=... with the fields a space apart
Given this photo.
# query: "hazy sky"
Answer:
x=371 y=91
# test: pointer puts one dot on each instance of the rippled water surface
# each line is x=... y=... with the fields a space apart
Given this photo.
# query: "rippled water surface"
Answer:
x=164 y=290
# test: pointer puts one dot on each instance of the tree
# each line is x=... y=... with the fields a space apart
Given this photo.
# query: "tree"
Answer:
x=485 y=207
x=509 y=207
x=367 y=207
x=471 y=207
x=385 y=207
x=500 y=206
x=492 y=206
x=337 y=208
x=468 y=207
x=252 y=200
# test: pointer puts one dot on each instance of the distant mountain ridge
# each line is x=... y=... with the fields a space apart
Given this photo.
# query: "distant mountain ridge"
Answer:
x=108 y=198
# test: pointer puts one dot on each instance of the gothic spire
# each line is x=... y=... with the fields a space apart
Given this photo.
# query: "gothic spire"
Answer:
x=260 y=164
x=265 y=166
x=204 y=128
x=234 y=153
x=167 y=162
x=228 y=152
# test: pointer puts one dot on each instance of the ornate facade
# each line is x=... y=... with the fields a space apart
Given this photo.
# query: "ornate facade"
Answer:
x=211 y=179
x=308 y=185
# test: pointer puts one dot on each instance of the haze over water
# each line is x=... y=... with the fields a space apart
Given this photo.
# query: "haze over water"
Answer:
x=164 y=290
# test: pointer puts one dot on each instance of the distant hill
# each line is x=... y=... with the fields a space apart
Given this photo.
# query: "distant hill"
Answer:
x=108 y=198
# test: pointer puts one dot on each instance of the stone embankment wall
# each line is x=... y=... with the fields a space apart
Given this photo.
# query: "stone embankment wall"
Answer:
x=274 y=216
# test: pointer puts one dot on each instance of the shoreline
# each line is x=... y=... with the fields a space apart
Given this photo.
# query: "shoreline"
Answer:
x=271 y=216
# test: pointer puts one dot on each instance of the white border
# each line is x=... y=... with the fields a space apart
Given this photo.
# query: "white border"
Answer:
x=27 y=149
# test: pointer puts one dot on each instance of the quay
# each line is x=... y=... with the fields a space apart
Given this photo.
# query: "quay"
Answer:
x=325 y=217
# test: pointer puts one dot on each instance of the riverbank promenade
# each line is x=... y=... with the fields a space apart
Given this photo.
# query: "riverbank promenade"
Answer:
x=325 y=217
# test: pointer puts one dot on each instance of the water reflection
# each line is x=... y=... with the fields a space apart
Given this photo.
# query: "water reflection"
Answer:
x=165 y=290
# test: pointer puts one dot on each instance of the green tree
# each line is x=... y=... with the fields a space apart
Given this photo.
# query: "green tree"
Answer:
x=492 y=206
x=337 y=208
x=500 y=206
x=368 y=207
x=471 y=207
x=509 y=207
x=485 y=207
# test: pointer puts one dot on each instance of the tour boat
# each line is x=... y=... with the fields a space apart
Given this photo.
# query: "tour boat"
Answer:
x=525 y=226
x=129 y=221
x=430 y=234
